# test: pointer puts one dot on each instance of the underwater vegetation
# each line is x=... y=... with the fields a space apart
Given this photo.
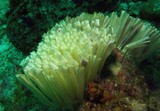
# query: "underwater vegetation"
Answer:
x=73 y=53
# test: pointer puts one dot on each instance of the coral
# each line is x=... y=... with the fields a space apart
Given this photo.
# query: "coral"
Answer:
x=73 y=53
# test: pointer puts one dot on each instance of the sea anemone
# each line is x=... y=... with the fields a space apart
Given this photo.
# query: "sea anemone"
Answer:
x=70 y=55
x=136 y=38
x=74 y=51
